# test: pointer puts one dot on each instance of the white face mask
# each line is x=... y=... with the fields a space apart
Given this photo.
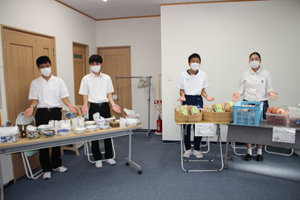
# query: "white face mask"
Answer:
x=254 y=64
x=195 y=66
x=46 y=71
x=96 y=68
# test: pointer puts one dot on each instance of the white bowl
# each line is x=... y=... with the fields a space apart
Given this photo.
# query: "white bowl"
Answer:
x=79 y=130
x=104 y=127
x=91 y=127
x=89 y=123
x=44 y=127
x=63 y=131
x=130 y=120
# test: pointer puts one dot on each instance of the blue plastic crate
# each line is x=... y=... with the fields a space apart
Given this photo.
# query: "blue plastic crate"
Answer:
x=248 y=118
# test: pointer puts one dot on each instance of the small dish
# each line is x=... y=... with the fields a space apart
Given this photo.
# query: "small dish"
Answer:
x=44 y=127
x=48 y=133
x=33 y=134
x=63 y=131
x=104 y=127
x=89 y=123
x=79 y=130
x=91 y=127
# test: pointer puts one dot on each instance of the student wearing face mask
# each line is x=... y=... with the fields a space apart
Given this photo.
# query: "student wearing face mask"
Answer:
x=256 y=85
x=46 y=93
x=192 y=84
x=97 y=88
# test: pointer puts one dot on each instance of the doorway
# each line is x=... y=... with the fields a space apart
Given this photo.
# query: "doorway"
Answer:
x=80 y=68
x=117 y=62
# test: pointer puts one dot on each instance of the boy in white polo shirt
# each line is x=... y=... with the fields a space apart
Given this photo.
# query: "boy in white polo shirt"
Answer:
x=46 y=93
x=192 y=84
x=97 y=88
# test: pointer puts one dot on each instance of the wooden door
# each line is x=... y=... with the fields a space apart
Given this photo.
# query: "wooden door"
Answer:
x=20 y=51
x=116 y=62
x=80 y=68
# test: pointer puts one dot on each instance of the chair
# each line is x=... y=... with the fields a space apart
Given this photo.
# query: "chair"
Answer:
x=282 y=154
x=234 y=147
x=88 y=154
x=23 y=120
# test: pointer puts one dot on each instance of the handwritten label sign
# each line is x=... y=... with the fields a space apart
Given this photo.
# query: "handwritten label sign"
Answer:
x=286 y=135
x=204 y=129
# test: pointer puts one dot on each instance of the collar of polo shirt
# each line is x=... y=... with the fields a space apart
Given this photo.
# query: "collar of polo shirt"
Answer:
x=257 y=72
x=194 y=74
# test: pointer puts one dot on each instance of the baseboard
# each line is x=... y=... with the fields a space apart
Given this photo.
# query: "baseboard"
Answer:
x=9 y=184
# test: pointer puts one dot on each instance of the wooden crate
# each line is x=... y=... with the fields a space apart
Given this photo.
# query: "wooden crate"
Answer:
x=217 y=116
x=188 y=118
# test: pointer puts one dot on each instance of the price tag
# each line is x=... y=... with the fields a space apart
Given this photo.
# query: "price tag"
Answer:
x=286 y=135
x=204 y=129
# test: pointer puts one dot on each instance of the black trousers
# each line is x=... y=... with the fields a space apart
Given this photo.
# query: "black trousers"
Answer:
x=104 y=111
x=43 y=116
x=192 y=100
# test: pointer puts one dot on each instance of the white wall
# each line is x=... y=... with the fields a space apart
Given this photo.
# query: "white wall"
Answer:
x=224 y=34
x=143 y=35
x=50 y=18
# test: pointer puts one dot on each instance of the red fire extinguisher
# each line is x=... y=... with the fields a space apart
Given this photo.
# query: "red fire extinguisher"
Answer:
x=159 y=124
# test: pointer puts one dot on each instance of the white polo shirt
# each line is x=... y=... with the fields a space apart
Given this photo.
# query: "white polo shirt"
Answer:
x=96 y=88
x=192 y=84
x=256 y=85
x=48 y=93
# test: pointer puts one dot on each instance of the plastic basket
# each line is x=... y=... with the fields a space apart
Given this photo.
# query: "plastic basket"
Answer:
x=251 y=117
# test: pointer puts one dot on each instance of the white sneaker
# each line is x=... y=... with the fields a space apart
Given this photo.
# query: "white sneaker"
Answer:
x=98 y=164
x=60 y=169
x=188 y=153
x=198 y=154
x=47 y=175
x=111 y=161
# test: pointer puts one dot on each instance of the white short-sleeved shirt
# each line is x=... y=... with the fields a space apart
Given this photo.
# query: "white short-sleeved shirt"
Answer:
x=96 y=88
x=192 y=84
x=48 y=93
x=256 y=85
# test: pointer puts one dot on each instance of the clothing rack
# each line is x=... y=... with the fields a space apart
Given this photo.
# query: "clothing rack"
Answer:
x=149 y=87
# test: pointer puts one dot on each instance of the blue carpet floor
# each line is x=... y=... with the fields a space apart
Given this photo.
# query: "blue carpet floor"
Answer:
x=277 y=177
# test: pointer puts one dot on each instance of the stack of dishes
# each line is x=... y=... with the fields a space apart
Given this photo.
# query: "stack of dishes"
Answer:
x=48 y=133
x=63 y=131
x=79 y=130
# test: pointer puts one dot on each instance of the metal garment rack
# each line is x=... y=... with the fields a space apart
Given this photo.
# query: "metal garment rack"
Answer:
x=149 y=87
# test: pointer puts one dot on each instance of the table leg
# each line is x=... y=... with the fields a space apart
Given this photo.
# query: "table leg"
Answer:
x=226 y=153
x=181 y=146
x=128 y=160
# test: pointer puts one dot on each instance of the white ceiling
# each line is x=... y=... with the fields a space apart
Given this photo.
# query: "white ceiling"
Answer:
x=98 y=9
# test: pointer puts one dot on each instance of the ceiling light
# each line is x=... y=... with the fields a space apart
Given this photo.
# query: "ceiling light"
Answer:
x=105 y=0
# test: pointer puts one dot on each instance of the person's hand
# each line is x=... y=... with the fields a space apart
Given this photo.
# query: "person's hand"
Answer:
x=84 y=110
x=273 y=95
x=28 y=112
x=116 y=108
x=181 y=99
x=209 y=98
x=73 y=108
x=236 y=96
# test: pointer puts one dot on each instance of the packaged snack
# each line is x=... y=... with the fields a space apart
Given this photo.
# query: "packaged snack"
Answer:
x=218 y=107
x=228 y=106
x=182 y=110
x=206 y=108
x=194 y=110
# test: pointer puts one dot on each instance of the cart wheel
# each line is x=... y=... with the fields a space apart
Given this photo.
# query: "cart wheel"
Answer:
x=225 y=166
x=127 y=163
x=232 y=158
x=140 y=172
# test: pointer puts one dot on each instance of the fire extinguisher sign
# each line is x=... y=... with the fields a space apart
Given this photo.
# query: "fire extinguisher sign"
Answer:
x=156 y=104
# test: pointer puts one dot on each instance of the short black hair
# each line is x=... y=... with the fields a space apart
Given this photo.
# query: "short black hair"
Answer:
x=95 y=58
x=194 y=55
x=256 y=54
x=42 y=60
